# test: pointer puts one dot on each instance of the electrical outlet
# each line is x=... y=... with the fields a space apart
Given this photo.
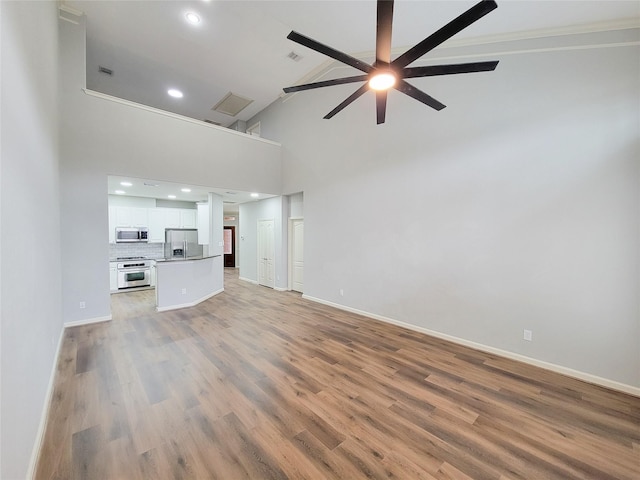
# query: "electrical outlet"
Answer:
x=184 y=291
x=83 y=305
x=528 y=335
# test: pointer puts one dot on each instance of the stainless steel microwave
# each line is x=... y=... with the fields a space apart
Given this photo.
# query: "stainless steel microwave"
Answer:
x=135 y=234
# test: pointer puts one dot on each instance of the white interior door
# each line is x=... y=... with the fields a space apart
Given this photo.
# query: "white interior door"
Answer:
x=297 y=261
x=266 y=253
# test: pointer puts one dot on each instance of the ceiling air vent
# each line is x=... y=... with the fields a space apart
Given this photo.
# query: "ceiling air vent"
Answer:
x=106 y=70
x=294 y=56
x=232 y=104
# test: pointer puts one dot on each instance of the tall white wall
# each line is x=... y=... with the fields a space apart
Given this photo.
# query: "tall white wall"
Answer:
x=296 y=205
x=101 y=137
x=516 y=207
x=30 y=294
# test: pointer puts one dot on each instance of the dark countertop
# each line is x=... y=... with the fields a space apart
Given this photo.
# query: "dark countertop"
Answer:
x=190 y=259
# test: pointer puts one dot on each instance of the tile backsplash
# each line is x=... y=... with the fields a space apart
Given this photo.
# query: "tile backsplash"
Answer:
x=148 y=250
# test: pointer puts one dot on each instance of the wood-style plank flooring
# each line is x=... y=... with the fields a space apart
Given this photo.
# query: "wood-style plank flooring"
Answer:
x=258 y=384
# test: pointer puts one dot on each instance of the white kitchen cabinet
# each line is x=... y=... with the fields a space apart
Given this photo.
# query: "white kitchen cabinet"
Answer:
x=179 y=217
x=188 y=218
x=113 y=276
x=123 y=217
x=139 y=217
x=156 y=225
x=171 y=217
x=203 y=224
x=131 y=217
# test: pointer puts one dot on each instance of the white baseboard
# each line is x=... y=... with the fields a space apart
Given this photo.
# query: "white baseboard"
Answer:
x=87 y=321
x=253 y=282
x=44 y=416
x=190 y=304
x=569 y=372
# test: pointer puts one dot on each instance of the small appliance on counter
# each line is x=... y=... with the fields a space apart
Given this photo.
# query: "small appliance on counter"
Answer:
x=181 y=244
x=132 y=234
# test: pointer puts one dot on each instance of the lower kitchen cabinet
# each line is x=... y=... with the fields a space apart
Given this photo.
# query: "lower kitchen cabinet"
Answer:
x=113 y=276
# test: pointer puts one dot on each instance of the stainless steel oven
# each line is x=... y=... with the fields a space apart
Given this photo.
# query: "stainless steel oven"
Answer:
x=134 y=273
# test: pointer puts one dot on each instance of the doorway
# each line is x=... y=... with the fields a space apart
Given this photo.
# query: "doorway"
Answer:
x=296 y=258
x=229 y=249
x=266 y=253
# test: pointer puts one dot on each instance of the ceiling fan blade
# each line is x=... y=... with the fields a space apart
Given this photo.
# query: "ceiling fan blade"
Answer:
x=419 y=95
x=383 y=32
x=329 y=52
x=414 y=72
x=449 y=30
x=326 y=83
x=354 y=96
x=381 y=106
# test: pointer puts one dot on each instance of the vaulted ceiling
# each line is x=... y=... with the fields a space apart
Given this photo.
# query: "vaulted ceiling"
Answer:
x=241 y=46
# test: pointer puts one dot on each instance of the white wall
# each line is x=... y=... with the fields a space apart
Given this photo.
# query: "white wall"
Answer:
x=248 y=219
x=187 y=283
x=216 y=223
x=30 y=295
x=101 y=137
x=276 y=209
x=516 y=207
x=296 y=205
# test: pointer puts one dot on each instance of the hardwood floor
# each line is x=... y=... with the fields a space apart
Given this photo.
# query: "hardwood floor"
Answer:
x=260 y=384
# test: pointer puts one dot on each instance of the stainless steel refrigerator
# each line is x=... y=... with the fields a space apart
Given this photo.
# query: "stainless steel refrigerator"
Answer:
x=181 y=243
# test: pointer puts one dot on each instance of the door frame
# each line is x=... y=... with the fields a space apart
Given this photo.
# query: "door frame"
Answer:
x=233 y=244
x=290 y=251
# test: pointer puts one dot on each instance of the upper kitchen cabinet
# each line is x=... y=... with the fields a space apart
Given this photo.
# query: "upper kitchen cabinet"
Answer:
x=179 y=217
x=131 y=217
x=161 y=218
x=171 y=217
x=127 y=217
x=156 y=225
x=188 y=218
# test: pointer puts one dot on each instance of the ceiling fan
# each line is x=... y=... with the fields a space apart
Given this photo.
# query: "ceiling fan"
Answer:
x=384 y=73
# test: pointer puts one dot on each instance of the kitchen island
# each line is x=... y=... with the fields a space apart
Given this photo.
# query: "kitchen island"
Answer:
x=185 y=283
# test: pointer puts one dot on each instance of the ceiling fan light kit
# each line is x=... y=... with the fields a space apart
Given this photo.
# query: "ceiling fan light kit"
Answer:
x=384 y=73
x=382 y=81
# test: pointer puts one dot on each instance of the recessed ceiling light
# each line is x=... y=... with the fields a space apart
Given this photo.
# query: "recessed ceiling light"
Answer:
x=186 y=190
x=126 y=184
x=171 y=196
x=175 y=93
x=120 y=192
x=192 y=18
x=255 y=195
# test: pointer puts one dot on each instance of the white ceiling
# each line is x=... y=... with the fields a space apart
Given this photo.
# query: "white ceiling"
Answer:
x=241 y=46
x=147 y=188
